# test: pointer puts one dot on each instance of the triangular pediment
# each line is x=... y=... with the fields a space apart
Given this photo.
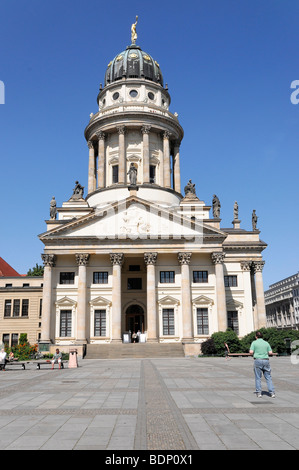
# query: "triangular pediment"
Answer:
x=100 y=302
x=233 y=304
x=203 y=300
x=134 y=218
x=66 y=302
x=168 y=300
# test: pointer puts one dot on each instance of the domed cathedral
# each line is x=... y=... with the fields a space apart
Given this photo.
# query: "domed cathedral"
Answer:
x=132 y=259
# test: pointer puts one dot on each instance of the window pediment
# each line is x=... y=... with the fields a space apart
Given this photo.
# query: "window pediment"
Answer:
x=168 y=300
x=202 y=300
x=66 y=302
x=100 y=302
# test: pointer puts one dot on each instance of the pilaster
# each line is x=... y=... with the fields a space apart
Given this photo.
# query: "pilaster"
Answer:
x=49 y=261
x=184 y=260
x=217 y=259
x=117 y=261
x=82 y=260
x=150 y=260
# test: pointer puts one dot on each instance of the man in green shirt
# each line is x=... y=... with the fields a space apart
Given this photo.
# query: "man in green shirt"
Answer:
x=261 y=350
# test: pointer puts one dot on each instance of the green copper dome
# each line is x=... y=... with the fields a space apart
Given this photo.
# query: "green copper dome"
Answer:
x=133 y=63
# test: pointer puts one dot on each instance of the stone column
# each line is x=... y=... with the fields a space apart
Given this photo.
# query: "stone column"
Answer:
x=259 y=289
x=49 y=263
x=91 y=168
x=166 y=159
x=122 y=155
x=150 y=261
x=217 y=259
x=117 y=261
x=248 y=305
x=146 y=156
x=82 y=260
x=101 y=160
x=184 y=260
x=177 y=171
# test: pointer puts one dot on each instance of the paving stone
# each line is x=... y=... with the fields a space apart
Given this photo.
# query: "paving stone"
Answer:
x=150 y=404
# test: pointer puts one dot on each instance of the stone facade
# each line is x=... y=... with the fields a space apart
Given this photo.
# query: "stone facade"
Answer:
x=282 y=303
x=20 y=308
x=135 y=253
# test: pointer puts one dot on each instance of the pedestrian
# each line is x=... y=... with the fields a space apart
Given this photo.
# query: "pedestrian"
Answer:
x=57 y=359
x=261 y=350
x=226 y=352
x=3 y=359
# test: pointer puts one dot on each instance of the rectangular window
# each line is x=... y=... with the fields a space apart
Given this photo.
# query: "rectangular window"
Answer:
x=168 y=321
x=8 y=285
x=232 y=321
x=100 y=277
x=115 y=174
x=65 y=323
x=167 y=277
x=7 y=308
x=5 y=339
x=135 y=283
x=14 y=339
x=200 y=276
x=152 y=174
x=100 y=322
x=230 y=281
x=16 y=308
x=40 y=307
x=202 y=321
x=67 y=278
x=25 y=307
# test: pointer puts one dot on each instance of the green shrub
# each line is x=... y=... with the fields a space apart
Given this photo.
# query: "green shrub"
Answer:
x=215 y=344
x=208 y=347
x=276 y=338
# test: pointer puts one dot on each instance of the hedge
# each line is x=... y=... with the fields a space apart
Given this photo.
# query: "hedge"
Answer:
x=214 y=346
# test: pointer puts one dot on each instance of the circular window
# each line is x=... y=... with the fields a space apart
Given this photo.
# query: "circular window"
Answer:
x=151 y=95
x=133 y=93
x=115 y=95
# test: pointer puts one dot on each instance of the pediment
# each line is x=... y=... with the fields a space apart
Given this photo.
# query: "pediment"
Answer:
x=169 y=300
x=203 y=300
x=100 y=302
x=233 y=304
x=66 y=302
x=134 y=218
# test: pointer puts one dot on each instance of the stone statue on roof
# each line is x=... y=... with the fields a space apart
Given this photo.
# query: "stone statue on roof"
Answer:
x=53 y=210
x=216 y=207
x=78 y=191
x=254 y=220
x=190 y=189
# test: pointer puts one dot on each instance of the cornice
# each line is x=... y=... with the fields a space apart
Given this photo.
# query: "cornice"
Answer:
x=135 y=118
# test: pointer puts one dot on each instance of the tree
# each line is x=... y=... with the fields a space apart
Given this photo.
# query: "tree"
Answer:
x=36 y=271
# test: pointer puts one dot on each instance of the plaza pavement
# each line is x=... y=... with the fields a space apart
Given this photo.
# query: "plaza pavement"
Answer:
x=149 y=404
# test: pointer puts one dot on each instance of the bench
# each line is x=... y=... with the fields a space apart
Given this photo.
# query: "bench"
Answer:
x=14 y=363
x=47 y=363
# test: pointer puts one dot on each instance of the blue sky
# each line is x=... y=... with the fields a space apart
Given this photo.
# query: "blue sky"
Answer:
x=229 y=65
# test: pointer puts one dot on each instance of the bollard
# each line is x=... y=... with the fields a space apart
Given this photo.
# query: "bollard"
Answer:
x=73 y=362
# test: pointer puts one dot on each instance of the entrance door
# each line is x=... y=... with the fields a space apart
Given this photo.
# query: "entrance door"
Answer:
x=135 y=319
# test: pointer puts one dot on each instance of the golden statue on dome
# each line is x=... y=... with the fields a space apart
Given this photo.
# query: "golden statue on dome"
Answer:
x=133 y=31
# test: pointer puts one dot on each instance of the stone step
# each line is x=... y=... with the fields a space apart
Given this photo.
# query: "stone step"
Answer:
x=137 y=350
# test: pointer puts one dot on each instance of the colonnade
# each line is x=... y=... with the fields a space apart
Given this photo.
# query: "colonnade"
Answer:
x=97 y=171
x=150 y=259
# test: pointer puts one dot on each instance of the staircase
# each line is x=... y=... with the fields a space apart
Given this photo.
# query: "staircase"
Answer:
x=131 y=350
